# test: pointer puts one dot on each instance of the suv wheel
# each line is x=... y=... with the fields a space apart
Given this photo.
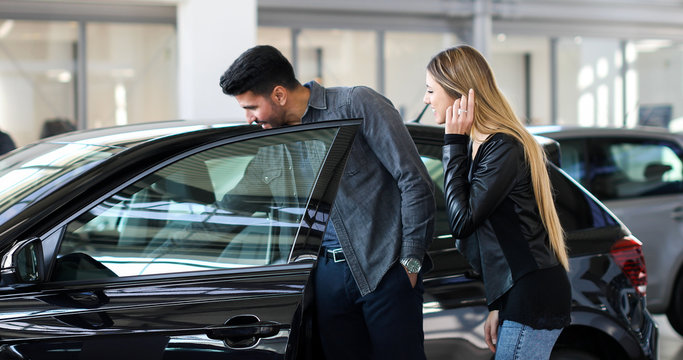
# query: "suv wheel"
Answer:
x=675 y=311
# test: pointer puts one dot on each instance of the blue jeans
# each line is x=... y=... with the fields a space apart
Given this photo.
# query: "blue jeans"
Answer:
x=384 y=324
x=518 y=341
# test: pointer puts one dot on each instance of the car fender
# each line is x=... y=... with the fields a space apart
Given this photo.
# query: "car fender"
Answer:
x=608 y=325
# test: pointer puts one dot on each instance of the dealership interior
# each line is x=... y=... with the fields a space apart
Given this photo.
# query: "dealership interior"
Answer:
x=101 y=63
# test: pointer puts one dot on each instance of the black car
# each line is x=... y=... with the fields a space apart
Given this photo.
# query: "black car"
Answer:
x=609 y=319
x=638 y=174
x=114 y=244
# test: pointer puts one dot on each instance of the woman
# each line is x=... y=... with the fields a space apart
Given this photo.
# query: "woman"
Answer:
x=500 y=206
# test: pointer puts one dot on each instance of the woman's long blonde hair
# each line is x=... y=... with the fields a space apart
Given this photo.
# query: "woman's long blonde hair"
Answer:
x=462 y=68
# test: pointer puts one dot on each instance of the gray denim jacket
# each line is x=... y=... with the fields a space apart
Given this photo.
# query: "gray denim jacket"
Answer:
x=385 y=206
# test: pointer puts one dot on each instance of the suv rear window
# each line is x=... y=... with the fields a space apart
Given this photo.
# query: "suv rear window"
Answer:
x=589 y=226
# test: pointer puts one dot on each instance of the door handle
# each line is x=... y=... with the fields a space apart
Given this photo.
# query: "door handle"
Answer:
x=244 y=331
x=677 y=213
x=90 y=321
x=78 y=299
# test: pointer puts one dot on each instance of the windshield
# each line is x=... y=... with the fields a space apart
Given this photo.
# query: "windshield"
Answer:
x=31 y=172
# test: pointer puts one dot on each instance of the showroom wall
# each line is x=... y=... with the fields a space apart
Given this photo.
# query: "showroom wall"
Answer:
x=559 y=62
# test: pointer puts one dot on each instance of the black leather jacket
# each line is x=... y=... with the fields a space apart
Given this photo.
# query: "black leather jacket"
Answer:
x=493 y=212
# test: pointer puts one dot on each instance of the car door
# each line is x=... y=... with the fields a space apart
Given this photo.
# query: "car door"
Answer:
x=640 y=180
x=206 y=255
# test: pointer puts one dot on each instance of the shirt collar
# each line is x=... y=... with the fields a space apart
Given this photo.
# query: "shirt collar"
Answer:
x=317 y=98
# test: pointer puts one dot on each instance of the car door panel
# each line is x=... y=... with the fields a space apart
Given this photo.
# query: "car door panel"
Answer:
x=639 y=215
x=643 y=187
x=108 y=306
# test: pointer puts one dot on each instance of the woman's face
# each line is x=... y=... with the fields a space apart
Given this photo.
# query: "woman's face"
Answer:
x=438 y=99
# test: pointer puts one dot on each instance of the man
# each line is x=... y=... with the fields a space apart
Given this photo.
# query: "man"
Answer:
x=368 y=286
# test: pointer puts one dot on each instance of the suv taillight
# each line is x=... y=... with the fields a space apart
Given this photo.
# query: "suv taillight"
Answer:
x=628 y=254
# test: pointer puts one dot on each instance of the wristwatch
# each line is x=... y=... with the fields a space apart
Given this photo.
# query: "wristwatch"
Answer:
x=412 y=265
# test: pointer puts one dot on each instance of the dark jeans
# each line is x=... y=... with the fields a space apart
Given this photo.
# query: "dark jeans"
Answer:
x=385 y=324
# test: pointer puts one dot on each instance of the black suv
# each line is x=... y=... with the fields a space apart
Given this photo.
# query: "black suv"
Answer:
x=98 y=262
x=607 y=273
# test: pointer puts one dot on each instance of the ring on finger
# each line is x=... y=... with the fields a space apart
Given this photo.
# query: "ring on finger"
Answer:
x=460 y=111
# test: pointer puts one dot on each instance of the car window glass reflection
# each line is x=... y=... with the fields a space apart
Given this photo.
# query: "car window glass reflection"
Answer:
x=573 y=160
x=435 y=169
x=232 y=206
x=634 y=169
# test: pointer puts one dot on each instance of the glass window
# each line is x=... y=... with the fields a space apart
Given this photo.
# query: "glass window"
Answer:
x=590 y=82
x=573 y=159
x=575 y=208
x=131 y=73
x=625 y=169
x=281 y=38
x=657 y=72
x=521 y=67
x=435 y=168
x=337 y=57
x=35 y=170
x=232 y=206
x=36 y=76
x=406 y=56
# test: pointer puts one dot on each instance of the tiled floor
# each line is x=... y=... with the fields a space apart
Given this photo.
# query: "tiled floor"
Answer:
x=670 y=343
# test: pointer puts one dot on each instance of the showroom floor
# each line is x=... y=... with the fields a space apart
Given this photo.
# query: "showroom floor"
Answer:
x=670 y=343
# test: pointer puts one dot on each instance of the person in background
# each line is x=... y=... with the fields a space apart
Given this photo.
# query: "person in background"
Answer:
x=6 y=143
x=367 y=282
x=56 y=126
x=500 y=206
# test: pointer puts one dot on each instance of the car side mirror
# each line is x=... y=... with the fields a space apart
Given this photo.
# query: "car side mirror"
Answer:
x=23 y=264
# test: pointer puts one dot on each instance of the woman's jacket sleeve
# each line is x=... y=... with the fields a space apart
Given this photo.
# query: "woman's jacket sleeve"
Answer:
x=470 y=199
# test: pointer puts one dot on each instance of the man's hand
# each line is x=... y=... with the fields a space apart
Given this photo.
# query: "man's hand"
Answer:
x=412 y=277
x=491 y=330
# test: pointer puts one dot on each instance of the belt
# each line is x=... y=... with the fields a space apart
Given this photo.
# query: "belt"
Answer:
x=336 y=255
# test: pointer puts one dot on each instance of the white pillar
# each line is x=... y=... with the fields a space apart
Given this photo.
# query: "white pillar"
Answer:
x=211 y=35
x=482 y=26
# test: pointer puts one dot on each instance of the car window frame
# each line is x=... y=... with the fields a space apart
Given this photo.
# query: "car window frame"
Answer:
x=303 y=250
x=592 y=143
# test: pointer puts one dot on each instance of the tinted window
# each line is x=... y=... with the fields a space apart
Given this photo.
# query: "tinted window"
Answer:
x=575 y=207
x=627 y=168
x=33 y=171
x=574 y=159
x=231 y=206
x=435 y=169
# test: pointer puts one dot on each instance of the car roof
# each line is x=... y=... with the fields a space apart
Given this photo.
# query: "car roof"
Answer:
x=126 y=136
x=557 y=131
x=430 y=132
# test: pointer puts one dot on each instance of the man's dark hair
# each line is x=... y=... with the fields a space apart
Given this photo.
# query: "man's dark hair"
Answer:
x=259 y=70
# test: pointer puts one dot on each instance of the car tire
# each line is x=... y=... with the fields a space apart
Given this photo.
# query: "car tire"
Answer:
x=675 y=311
x=572 y=354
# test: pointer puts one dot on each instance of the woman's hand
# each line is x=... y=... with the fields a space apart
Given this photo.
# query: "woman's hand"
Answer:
x=491 y=330
x=460 y=116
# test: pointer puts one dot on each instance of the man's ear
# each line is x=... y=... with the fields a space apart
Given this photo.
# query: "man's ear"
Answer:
x=279 y=95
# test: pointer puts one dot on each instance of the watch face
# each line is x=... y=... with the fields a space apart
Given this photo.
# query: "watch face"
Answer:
x=412 y=265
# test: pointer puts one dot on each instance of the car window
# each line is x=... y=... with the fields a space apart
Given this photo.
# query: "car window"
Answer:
x=586 y=222
x=627 y=169
x=235 y=205
x=35 y=170
x=576 y=209
x=435 y=168
x=573 y=159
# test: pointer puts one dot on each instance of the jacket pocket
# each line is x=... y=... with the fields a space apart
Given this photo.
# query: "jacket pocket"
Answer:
x=355 y=163
x=271 y=174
